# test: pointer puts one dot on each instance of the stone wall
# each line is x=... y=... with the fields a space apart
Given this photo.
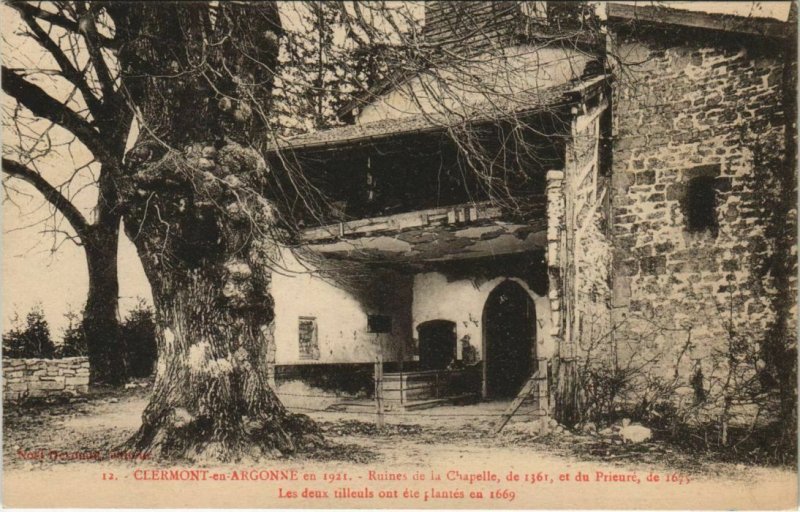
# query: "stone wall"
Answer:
x=27 y=378
x=686 y=106
x=590 y=244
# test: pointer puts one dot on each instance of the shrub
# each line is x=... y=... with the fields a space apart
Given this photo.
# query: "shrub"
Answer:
x=139 y=339
x=74 y=339
x=31 y=340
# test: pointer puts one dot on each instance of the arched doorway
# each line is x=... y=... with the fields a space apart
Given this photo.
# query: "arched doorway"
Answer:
x=509 y=340
x=437 y=344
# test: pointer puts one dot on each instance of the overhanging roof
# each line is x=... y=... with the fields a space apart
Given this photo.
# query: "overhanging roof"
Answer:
x=441 y=243
x=508 y=107
x=458 y=232
x=753 y=25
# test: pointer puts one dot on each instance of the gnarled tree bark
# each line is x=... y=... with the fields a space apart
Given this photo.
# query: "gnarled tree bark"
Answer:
x=205 y=235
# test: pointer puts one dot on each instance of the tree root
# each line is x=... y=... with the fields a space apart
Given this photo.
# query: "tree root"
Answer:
x=176 y=436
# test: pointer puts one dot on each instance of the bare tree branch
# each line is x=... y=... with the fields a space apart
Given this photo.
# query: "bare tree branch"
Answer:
x=68 y=70
x=58 y=20
x=43 y=105
x=93 y=43
x=50 y=193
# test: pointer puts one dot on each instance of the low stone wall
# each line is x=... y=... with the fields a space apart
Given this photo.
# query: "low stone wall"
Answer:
x=24 y=378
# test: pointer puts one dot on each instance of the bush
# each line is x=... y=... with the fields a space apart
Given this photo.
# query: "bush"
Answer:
x=31 y=340
x=768 y=442
x=74 y=340
x=138 y=333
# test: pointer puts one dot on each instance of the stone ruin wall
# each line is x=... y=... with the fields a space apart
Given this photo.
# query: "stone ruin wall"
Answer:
x=591 y=244
x=696 y=108
x=34 y=378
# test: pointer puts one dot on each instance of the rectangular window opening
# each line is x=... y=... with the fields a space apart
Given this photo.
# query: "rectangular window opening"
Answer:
x=700 y=205
x=308 y=338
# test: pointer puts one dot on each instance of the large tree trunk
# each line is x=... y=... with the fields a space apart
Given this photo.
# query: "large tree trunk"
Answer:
x=101 y=314
x=206 y=237
x=211 y=397
x=209 y=267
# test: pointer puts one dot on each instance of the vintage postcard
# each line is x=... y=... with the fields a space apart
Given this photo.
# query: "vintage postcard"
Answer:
x=399 y=255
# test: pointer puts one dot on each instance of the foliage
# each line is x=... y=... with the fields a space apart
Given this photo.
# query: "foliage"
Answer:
x=138 y=332
x=74 y=339
x=30 y=340
x=139 y=340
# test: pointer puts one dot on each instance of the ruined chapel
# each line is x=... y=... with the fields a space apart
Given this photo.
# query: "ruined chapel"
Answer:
x=517 y=217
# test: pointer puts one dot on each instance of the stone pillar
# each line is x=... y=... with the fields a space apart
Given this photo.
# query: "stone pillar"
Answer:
x=556 y=223
x=555 y=229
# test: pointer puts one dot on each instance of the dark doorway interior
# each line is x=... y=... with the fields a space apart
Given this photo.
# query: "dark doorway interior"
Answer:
x=509 y=321
x=437 y=344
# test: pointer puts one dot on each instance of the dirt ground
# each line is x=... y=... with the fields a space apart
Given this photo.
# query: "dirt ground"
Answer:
x=441 y=441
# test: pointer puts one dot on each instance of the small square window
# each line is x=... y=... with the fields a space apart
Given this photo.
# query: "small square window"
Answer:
x=309 y=344
x=700 y=205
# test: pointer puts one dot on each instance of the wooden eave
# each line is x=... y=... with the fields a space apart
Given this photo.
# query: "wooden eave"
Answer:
x=459 y=232
x=561 y=97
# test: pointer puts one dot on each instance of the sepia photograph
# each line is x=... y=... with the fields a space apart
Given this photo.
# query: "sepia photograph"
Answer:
x=399 y=254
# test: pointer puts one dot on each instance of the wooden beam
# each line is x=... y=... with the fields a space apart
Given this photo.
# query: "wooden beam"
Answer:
x=439 y=243
x=470 y=213
x=472 y=230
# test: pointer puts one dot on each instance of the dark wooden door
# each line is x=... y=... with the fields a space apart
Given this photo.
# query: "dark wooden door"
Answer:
x=509 y=340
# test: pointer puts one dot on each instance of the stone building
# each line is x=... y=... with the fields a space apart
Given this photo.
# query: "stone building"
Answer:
x=646 y=221
x=703 y=197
